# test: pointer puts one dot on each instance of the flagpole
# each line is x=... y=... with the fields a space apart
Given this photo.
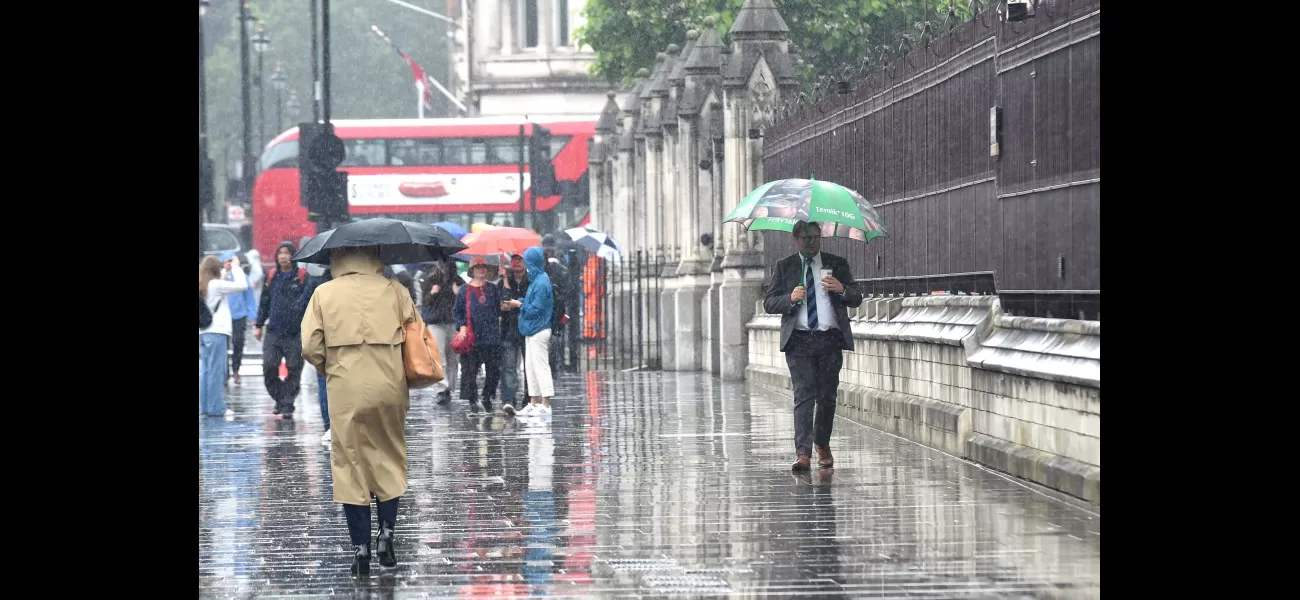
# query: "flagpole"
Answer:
x=458 y=103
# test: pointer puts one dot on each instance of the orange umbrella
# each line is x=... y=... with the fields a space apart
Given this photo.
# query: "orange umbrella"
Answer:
x=498 y=240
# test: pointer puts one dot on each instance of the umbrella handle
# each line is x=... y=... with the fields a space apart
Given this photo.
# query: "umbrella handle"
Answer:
x=803 y=266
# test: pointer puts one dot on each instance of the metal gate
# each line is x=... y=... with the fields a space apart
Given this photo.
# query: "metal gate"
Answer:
x=620 y=302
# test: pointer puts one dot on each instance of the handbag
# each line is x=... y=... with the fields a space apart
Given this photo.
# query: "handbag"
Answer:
x=464 y=344
x=205 y=314
x=420 y=358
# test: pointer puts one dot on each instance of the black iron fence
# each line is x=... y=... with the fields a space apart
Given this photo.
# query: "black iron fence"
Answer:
x=620 y=306
x=981 y=150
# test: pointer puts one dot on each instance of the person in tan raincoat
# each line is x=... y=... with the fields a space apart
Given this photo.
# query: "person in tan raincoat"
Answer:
x=352 y=332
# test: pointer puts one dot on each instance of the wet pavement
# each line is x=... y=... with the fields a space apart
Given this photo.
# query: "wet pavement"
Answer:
x=644 y=485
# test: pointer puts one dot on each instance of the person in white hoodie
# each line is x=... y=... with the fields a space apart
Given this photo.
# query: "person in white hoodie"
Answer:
x=214 y=340
x=256 y=277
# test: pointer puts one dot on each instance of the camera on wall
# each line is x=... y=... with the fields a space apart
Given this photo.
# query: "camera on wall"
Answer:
x=1019 y=10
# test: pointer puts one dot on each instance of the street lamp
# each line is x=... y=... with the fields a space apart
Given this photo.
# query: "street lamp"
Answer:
x=291 y=105
x=278 y=80
x=207 y=192
x=246 y=156
x=261 y=44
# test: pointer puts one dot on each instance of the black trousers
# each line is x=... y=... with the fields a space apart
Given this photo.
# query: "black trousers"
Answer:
x=359 y=519
x=239 y=328
x=556 y=350
x=490 y=358
x=814 y=359
x=277 y=346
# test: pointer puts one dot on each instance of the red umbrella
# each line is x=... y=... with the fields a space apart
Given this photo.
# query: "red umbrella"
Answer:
x=499 y=240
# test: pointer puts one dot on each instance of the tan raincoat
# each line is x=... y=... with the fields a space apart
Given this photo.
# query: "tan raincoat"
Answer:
x=353 y=334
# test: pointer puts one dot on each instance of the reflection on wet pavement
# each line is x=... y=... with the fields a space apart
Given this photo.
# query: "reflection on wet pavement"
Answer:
x=644 y=485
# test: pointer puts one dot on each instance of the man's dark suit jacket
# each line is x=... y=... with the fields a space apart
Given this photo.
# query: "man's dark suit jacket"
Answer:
x=787 y=276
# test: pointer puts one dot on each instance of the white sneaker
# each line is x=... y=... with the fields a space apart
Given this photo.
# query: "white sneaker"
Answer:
x=543 y=410
x=529 y=409
x=230 y=413
x=326 y=439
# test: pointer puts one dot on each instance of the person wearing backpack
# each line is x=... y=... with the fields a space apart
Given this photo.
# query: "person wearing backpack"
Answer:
x=316 y=278
x=560 y=286
x=280 y=315
x=213 y=339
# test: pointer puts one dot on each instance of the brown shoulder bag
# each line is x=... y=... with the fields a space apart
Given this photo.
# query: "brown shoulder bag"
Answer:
x=420 y=357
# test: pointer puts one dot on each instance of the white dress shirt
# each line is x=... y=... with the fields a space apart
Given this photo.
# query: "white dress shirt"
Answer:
x=825 y=310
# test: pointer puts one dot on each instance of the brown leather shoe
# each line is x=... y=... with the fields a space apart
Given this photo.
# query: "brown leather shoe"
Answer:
x=824 y=459
x=802 y=463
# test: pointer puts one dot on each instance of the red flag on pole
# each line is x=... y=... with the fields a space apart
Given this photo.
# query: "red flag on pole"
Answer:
x=417 y=73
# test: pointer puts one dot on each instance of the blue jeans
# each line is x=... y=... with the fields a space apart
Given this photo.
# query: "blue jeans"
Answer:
x=510 y=371
x=324 y=400
x=212 y=374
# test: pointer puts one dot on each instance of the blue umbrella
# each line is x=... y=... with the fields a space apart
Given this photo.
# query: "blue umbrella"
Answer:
x=454 y=229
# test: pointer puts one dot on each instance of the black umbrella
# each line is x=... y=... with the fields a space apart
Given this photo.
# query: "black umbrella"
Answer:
x=398 y=242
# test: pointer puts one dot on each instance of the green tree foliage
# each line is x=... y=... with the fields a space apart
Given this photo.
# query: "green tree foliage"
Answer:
x=832 y=36
x=369 y=79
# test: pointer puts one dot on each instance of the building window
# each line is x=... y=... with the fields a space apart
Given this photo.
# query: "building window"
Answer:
x=562 y=20
x=530 y=24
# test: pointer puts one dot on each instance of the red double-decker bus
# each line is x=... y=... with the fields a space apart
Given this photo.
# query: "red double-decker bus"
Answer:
x=429 y=170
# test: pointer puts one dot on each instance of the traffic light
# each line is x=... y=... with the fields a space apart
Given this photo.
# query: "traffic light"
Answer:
x=540 y=168
x=330 y=192
x=323 y=189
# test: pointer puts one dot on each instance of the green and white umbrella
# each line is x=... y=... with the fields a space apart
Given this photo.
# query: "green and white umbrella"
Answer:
x=840 y=211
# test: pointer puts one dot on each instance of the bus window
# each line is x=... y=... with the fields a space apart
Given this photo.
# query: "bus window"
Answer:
x=416 y=152
x=365 y=153
x=505 y=151
x=283 y=155
x=478 y=152
x=455 y=151
x=558 y=142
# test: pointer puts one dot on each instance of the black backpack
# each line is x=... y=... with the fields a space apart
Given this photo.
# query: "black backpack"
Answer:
x=559 y=275
x=205 y=315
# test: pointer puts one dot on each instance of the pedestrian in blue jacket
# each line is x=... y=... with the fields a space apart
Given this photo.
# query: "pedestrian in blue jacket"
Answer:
x=535 y=326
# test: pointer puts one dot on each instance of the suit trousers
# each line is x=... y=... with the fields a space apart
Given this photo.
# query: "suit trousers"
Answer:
x=814 y=359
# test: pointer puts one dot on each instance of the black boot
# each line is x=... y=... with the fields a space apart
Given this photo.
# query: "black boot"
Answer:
x=487 y=404
x=361 y=562
x=384 y=545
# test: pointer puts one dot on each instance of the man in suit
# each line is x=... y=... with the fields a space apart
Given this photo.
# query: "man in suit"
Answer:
x=815 y=329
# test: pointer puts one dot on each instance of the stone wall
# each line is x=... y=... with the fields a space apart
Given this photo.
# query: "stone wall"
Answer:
x=1020 y=395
